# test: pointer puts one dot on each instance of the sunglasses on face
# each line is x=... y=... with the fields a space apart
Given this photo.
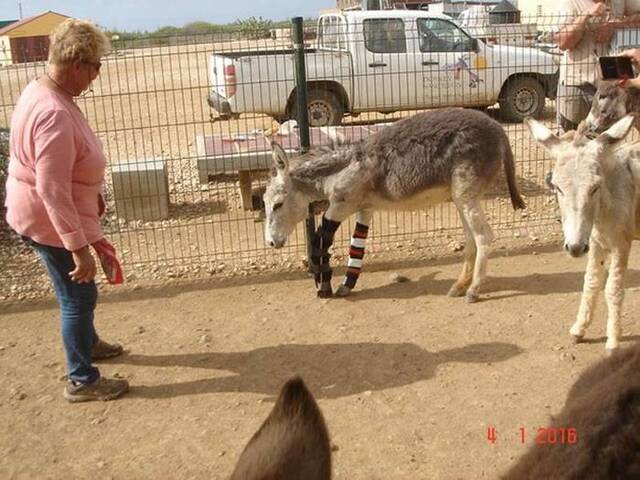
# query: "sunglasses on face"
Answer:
x=96 y=65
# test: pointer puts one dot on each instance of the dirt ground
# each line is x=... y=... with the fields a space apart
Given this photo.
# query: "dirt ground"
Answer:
x=409 y=380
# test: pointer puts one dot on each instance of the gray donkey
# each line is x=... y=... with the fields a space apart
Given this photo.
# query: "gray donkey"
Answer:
x=610 y=103
x=420 y=161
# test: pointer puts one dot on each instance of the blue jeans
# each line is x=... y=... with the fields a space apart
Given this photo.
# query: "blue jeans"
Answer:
x=77 y=302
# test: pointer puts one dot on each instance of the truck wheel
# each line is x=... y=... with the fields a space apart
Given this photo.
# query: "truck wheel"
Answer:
x=324 y=108
x=521 y=97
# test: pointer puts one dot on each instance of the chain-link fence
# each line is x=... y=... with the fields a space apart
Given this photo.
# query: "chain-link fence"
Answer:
x=184 y=180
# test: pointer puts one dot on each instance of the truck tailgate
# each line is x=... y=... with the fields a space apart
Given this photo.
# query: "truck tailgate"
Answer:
x=217 y=65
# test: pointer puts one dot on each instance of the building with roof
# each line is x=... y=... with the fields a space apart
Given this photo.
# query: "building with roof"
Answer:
x=543 y=12
x=27 y=40
x=4 y=23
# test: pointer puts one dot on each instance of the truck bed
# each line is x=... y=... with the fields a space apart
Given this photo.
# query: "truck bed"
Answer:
x=235 y=54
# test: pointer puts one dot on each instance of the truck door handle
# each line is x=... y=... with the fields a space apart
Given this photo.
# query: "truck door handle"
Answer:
x=373 y=65
x=430 y=63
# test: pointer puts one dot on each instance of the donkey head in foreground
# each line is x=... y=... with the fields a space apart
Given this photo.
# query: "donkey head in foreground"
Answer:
x=292 y=443
x=285 y=205
x=577 y=176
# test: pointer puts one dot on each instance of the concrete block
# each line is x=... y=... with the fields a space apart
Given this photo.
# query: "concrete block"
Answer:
x=141 y=189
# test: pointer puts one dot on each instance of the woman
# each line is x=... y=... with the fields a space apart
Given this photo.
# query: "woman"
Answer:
x=54 y=202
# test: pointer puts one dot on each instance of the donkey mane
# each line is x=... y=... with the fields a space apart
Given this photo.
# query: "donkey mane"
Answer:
x=323 y=162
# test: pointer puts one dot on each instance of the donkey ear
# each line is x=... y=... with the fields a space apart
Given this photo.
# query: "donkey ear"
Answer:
x=280 y=160
x=618 y=131
x=542 y=134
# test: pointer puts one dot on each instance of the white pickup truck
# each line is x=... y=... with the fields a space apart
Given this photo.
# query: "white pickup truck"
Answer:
x=385 y=61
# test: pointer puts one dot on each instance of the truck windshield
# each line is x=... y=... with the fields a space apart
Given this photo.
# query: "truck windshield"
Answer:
x=385 y=35
x=441 y=36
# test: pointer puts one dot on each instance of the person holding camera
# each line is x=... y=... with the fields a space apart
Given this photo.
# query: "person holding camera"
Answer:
x=584 y=36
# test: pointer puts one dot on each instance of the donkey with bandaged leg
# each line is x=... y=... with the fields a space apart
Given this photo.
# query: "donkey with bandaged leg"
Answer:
x=420 y=161
x=597 y=182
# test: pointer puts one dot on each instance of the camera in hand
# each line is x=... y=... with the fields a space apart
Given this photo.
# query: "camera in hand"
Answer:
x=616 y=68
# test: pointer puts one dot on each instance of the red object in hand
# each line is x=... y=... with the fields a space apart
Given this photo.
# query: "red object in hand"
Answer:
x=101 y=205
x=109 y=261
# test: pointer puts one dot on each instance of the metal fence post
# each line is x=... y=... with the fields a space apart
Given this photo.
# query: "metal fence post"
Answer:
x=297 y=27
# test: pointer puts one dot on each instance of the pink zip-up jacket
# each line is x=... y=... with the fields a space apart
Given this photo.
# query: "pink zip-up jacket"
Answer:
x=56 y=171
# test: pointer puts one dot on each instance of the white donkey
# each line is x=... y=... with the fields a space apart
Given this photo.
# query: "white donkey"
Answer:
x=450 y=154
x=596 y=183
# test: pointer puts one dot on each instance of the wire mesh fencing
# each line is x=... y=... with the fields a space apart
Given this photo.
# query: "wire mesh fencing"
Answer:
x=186 y=125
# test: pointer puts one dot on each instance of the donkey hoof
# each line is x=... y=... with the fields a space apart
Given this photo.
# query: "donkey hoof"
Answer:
x=576 y=338
x=610 y=351
x=471 y=297
x=325 y=290
x=456 y=291
x=343 y=291
x=611 y=346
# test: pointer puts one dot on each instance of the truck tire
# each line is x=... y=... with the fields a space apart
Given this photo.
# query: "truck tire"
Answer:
x=521 y=97
x=324 y=108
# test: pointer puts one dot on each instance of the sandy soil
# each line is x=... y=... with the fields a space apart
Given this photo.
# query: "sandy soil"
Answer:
x=408 y=379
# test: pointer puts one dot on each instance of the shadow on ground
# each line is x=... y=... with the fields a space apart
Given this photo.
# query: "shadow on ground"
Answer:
x=331 y=370
x=496 y=287
x=178 y=287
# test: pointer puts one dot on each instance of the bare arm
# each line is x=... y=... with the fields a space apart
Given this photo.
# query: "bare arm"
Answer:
x=570 y=35
x=629 y=21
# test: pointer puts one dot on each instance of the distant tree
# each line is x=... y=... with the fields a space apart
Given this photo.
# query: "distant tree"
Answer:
x=166 y=31
x=249 y=28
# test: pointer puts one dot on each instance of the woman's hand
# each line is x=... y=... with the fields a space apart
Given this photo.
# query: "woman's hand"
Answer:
x=629 y=83
x=101 y=205
x=633 y=54
x=85 y=269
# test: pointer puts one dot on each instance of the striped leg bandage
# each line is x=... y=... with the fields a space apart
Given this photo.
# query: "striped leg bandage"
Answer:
x=356 y=254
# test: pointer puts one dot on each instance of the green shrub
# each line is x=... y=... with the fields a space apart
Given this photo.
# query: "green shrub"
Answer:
x=254 y=27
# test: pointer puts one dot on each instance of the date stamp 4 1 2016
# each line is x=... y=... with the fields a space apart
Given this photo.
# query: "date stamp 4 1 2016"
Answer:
x=542 y=435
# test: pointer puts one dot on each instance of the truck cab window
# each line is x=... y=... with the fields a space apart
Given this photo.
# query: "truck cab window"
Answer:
x=441 y=36
x=385 y=35
x=331 y=33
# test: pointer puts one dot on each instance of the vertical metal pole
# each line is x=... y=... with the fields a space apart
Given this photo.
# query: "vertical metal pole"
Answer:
x=297 y=27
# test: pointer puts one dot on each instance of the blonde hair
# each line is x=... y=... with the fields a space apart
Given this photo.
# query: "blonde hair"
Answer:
x=76 y=41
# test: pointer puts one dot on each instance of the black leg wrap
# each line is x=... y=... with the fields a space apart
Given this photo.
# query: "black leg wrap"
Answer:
x=321 y=258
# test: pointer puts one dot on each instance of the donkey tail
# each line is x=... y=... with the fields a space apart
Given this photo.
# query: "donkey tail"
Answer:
x=510 y=172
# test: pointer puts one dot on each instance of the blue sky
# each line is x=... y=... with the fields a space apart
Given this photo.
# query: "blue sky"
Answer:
x=151 y=14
